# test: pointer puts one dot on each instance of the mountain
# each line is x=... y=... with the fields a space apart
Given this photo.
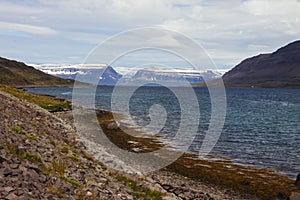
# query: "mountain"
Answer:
x=16 y=73
x=85 y=72
x=278 y=69
x=174 y=75
x=130 y=76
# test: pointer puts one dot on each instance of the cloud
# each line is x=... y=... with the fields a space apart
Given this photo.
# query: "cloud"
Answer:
x=36 y=30
x=229 y=31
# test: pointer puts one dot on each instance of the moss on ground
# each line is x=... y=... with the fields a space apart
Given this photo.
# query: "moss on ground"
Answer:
x=32 y=157
x=18 y=130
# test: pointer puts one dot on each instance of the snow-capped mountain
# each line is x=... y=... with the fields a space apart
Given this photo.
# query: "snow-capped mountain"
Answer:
x=131 y=76
x=83 y=72
x=175 y=75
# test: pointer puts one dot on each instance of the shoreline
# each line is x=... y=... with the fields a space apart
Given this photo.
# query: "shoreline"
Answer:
x=265 y=183
x=159 y=143
x=288 y=174
x=188 y=165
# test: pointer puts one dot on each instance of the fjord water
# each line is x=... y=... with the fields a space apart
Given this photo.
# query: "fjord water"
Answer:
x=262 y=126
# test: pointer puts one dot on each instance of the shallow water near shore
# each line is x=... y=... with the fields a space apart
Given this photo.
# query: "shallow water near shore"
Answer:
x=262 y=127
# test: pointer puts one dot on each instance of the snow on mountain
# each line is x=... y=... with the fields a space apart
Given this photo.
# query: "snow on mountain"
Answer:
x=169 y=75
x=131 y=76
x=83 y=72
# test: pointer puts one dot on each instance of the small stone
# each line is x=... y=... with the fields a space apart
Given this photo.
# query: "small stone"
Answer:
x=102 y=180
x=35 y=168
x=7 y=172
x=89 y=194
x=7 y=189
x=113 y=126
x=43 y=178
x=14 y=166
x=2 y=159
x=20 y=192
x=11 y=196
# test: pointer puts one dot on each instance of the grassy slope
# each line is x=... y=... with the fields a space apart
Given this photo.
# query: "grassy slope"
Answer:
x=18 y=74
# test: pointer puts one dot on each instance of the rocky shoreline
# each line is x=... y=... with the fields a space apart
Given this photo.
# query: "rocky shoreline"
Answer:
x=43 y=158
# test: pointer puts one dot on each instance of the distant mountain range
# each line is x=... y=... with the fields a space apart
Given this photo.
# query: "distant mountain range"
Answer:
x=278 y=69
x=110 y=76
x=19 y=74
x=86 y=72
x=175 y=75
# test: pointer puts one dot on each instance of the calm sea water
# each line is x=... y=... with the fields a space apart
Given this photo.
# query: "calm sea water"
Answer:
x=262 y=126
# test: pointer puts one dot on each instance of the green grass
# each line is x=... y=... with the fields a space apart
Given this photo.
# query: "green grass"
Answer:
x=64 y=149
x=13 y=149
x=73 y=182
x=138 y=190
x=35 y=158
x=32 y=157
x=18 y=130
x=46 y=102
x=56 y=190
x=73 y=158
x=58 y=167
x=31 y=137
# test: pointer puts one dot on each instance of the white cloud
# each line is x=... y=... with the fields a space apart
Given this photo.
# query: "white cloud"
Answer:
x=36 y=30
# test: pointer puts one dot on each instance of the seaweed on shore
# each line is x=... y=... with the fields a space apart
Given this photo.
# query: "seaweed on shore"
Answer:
x=263 y=183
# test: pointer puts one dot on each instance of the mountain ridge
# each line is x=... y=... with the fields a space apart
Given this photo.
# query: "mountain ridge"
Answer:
x=278 y=69
x=16 y=73
x=110 y=75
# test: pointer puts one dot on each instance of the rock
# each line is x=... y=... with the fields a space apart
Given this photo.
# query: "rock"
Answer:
x=167 y=187
x=6 y=172
x=11 y=196
x=35 y=168
x=14 y=166
x=297 y=182
x=7 y=189
x=2 y=159
x=113 y=125
x=20 y=192
x=89 y=194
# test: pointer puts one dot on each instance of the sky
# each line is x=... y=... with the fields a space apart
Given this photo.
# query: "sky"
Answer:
x=66 y=31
